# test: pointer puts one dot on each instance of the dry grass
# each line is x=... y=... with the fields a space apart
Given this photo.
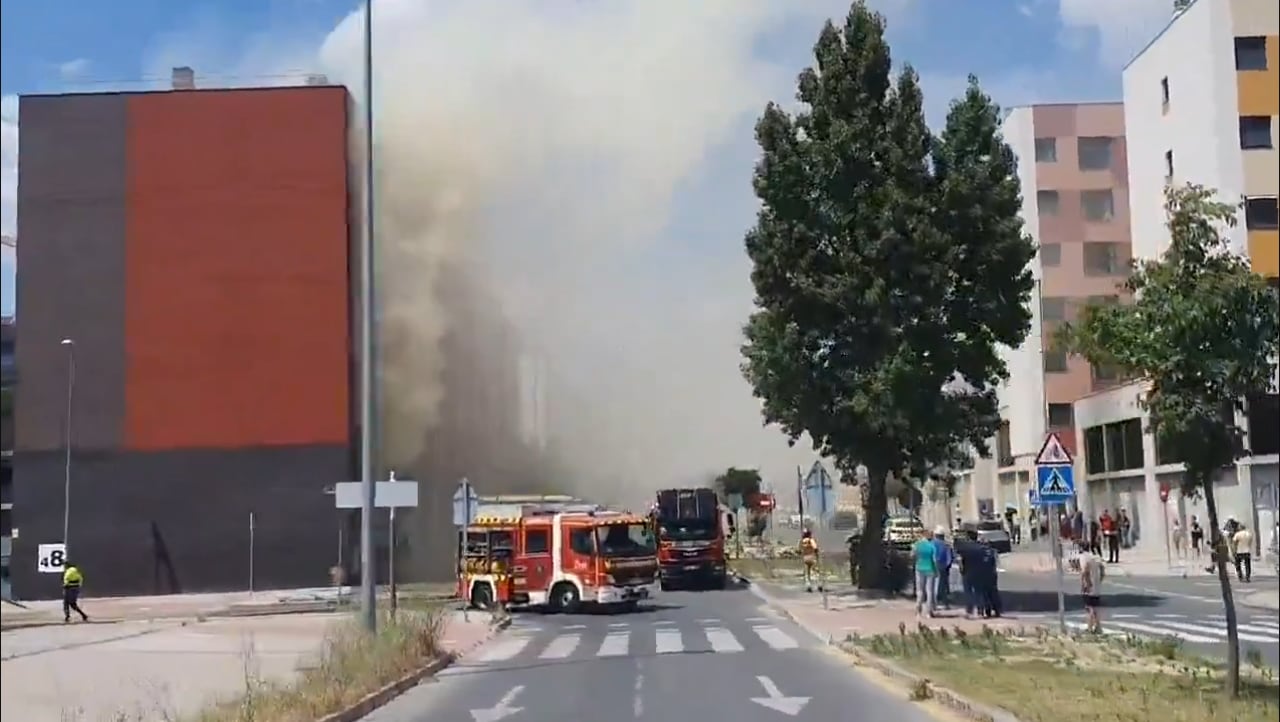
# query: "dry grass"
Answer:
x=836 y=569
x=1041 y=677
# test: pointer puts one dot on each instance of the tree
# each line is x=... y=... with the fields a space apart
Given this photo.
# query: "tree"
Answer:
x=1180 y=5
x=744 y=482
x=1201 y=336
x=880 y=280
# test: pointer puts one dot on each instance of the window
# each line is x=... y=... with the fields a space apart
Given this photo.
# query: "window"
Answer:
x=582 y=541
x=1255 y=132
x=1047 y=202
x=1251 y=53
x=1166 y=451
x=1055 y=361
x=1095 y=450
x=1168 y=165
x=1061 y=416
x=1050 y=255
x=1261 y=214
x=1046 y=150
x=1103 y=375
x=1274 y=283
x=1108 y=300
x=1095 y=153
x=1098 y=205
x=1104 y=259
x=1053 y=309
x=1123 y=445
x=1164 y=92
x=537 y=541
x=1263 y=412
x=1004 y=447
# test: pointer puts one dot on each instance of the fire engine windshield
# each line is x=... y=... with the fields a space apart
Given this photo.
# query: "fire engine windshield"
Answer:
x=687 y=529
x=624 y=540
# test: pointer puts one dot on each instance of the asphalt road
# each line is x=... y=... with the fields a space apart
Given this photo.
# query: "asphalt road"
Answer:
x=1190 y=610
x=708 y=655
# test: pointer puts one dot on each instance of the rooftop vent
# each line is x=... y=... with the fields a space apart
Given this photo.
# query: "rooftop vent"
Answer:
x=184 y=78
x=317 y=79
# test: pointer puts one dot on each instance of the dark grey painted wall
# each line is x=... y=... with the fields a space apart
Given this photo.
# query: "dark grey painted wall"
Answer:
x=71 y=217
x=199 y=504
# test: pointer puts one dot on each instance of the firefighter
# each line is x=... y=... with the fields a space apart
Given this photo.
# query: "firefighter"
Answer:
x=72 y=581
x=809 y=555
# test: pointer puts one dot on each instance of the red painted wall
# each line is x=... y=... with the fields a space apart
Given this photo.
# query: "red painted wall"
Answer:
x=237 y=281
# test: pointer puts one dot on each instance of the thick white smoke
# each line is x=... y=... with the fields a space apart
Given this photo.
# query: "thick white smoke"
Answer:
x=541 y=144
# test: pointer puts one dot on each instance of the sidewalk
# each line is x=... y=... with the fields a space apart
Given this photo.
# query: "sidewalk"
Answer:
x=162 y=670
x=845 y=613
x=1137 y=564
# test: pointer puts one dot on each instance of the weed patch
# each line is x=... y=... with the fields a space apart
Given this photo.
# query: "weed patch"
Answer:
x=1041 y=677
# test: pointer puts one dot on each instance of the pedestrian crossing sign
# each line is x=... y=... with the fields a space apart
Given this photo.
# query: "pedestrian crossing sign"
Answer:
x=1054 y=452
x=1055 y=484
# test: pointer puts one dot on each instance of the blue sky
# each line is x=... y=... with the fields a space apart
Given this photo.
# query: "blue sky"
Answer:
x=1023 y=50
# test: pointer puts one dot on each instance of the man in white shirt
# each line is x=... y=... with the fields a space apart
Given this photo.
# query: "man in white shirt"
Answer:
x=1092 y=571
x=1242 y=549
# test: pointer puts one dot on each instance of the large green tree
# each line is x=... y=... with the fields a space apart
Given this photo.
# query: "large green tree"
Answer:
x=888 y=265
x=1201 y=336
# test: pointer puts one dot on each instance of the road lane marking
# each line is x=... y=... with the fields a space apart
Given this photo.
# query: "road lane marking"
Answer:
x=668 y=641
x=615 y=644
x=1221 y=630
x=637 y=704
x=776 y=638
x=722 y=641
x=575 y=626
x=560 y=647
x=504 y=649
x=1162 y=632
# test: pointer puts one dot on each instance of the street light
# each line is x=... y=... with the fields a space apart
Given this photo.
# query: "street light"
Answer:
x=66 y=464
x=368 y=343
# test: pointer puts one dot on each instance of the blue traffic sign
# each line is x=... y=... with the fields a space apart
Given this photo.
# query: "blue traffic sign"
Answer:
x=1055 y=484
x=819 y=493
x=465 y=501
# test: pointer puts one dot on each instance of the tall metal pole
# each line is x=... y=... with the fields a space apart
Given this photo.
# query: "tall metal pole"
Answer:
x=368 y=570
x=391 y=552
x=66 y=462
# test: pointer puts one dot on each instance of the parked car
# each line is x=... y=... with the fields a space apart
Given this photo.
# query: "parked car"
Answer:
x=991 y=531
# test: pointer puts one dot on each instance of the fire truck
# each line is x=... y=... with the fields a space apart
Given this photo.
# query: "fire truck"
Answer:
x=689 y=527
x=559 y=556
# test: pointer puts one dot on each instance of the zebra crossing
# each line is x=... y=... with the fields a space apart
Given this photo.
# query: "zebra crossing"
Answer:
x=529 y=642
x=1204 y=629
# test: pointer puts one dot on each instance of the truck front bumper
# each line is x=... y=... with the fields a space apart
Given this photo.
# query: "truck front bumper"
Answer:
x=629 y=593
x=691 y=569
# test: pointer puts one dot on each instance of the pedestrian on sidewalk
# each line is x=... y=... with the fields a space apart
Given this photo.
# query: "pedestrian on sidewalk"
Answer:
x=809 y=555
x=1197 y=536
x=1110 y=532
x=1092 y=571
x=944 y=556
x=926 y=563
x=1242 y=547
x=1176 y=533
x=1126 y=529
x=989 y=580
x=1095 y=537
x=72 y=581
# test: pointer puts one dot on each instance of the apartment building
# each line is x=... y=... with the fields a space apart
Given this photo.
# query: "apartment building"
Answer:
x=1201 y=103
x=1072 y=165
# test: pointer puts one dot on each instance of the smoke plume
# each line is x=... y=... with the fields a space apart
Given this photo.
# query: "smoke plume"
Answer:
x=540 y=146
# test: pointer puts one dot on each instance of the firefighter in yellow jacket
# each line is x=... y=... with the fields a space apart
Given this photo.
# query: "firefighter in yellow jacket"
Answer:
x=809 y=555
x=72 y=580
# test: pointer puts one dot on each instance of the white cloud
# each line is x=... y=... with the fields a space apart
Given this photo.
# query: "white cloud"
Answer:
x=1122 y=27
x=73 y=70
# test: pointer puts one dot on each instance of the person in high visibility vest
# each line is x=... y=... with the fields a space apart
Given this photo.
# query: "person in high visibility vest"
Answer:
x=72 y=581
x=809 y=555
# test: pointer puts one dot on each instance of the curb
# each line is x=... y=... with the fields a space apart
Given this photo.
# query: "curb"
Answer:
x=383 y=696
x=282 y=609
x=947 y=697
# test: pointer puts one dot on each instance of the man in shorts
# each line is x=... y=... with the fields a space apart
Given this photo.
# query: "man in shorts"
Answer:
x=1092 y=571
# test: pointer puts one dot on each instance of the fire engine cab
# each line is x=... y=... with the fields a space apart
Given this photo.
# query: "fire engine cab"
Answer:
x=560 y=556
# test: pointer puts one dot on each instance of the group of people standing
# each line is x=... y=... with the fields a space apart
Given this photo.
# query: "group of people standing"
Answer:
x=934 y=559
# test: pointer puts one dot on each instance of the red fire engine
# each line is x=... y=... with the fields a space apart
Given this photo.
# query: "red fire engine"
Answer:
x=559 y=556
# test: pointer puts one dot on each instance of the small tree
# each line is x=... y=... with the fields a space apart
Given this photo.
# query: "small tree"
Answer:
x=744 y=482
x=1201 y=336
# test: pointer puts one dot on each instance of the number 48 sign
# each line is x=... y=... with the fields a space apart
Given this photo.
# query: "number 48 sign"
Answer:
x=52 y=558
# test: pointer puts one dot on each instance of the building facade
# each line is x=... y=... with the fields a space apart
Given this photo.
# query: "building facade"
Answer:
x=1201 y=104
x=185 y=271
x=1074 y=175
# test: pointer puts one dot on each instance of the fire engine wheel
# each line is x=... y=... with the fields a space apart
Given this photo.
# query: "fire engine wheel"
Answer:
x=481 y=598
x=565 y=598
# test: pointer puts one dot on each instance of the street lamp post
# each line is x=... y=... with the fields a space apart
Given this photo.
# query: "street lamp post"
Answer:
x=66 y=462
x=368 y=414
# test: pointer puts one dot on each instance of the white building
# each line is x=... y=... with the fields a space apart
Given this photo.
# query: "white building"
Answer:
x=1200 y=105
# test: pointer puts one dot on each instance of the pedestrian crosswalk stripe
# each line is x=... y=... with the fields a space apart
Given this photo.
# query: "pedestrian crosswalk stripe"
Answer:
x=669 y=641
x=615 y=644
x=1160 y=632
x=776 y=638
x=560 y=647
x=1220 y=629
x=722 y=641
x=504 y=649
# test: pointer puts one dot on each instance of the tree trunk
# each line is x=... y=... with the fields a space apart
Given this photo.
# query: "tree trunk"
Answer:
x=871 y=548
x=1221 y=548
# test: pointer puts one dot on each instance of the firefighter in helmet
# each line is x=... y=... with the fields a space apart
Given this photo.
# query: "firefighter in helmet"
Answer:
x=809 y=555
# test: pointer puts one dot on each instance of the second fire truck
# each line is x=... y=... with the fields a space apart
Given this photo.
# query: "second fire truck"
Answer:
x=690 y=529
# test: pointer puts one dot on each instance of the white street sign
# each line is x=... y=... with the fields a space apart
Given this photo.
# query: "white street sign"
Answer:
x=399 y=493
x=502 y=709
x=465 y=504
x=1054 y=452
x=789 y=706
x=51 y=558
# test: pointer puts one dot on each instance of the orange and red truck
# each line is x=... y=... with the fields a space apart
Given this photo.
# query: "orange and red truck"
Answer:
x=691 y=538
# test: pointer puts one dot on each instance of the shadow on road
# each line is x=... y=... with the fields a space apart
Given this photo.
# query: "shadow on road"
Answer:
x=1022 y=600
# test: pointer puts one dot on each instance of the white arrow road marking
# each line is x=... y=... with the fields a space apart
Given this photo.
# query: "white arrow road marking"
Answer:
x=789 y=706
x=502 y=709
